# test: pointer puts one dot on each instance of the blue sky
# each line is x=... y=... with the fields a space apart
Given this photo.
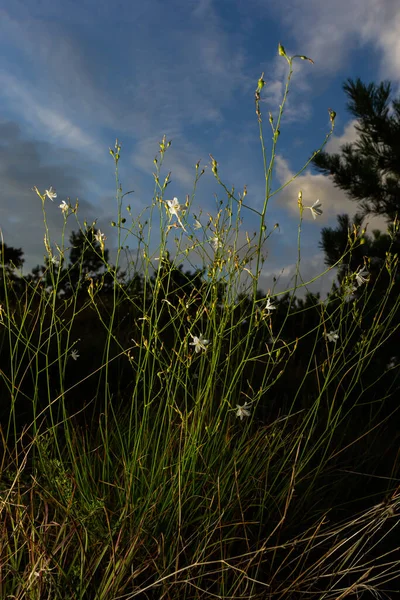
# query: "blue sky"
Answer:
x=77 y=75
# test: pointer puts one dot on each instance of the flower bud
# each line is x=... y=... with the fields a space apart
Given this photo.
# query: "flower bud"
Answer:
x=281 y=50
x=306 y=58
x=261 y=83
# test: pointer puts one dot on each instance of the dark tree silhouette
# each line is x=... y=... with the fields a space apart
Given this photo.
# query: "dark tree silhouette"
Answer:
x=10 y=260
x=85 y=258
x=369 y=169
x=86 y=251
x=373 y=249
x=171 y=283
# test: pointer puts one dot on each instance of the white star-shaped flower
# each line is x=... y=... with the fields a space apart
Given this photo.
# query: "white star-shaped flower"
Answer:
x=199 y=343
x=64 y=207
x=348 y=291
x=269 y=306
x=215 y=243
x=174 y=208
x=362 y=276
x=51 y=193
x=100 y=237
x=392 y=363
x=74 y=354
x=332 y=336
x=243 y=411
x=316 y=209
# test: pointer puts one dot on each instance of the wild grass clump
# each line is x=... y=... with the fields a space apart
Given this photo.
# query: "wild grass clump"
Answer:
x=172 y=434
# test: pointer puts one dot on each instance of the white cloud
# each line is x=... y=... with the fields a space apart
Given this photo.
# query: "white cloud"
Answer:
x=348 y=136
x=328 y=32
x=334 y=200
x=313 y=187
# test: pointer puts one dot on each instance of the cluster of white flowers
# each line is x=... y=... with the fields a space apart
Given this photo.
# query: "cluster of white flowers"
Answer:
x=199 y=342
x=175 y=209
x=51 y=195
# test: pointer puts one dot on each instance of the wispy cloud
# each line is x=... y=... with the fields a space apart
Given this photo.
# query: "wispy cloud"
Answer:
x=52 y=123
x=331 y=31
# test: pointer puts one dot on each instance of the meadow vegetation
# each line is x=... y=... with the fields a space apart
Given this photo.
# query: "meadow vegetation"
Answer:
x=183 y=434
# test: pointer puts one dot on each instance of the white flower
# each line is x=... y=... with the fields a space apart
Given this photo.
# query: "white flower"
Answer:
x=332 y=336
x=64 y=206
x=74 y=354
x=174 y=208
x=100 y=237
x=315 y=209
x=243 y=411
x=199 y=343
x=55 y=260
x=269 y=306
x=361 y=276
x=392 y=363
x=51 y=193
x=197 y=224
x=348 y=291
x=215 y=243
